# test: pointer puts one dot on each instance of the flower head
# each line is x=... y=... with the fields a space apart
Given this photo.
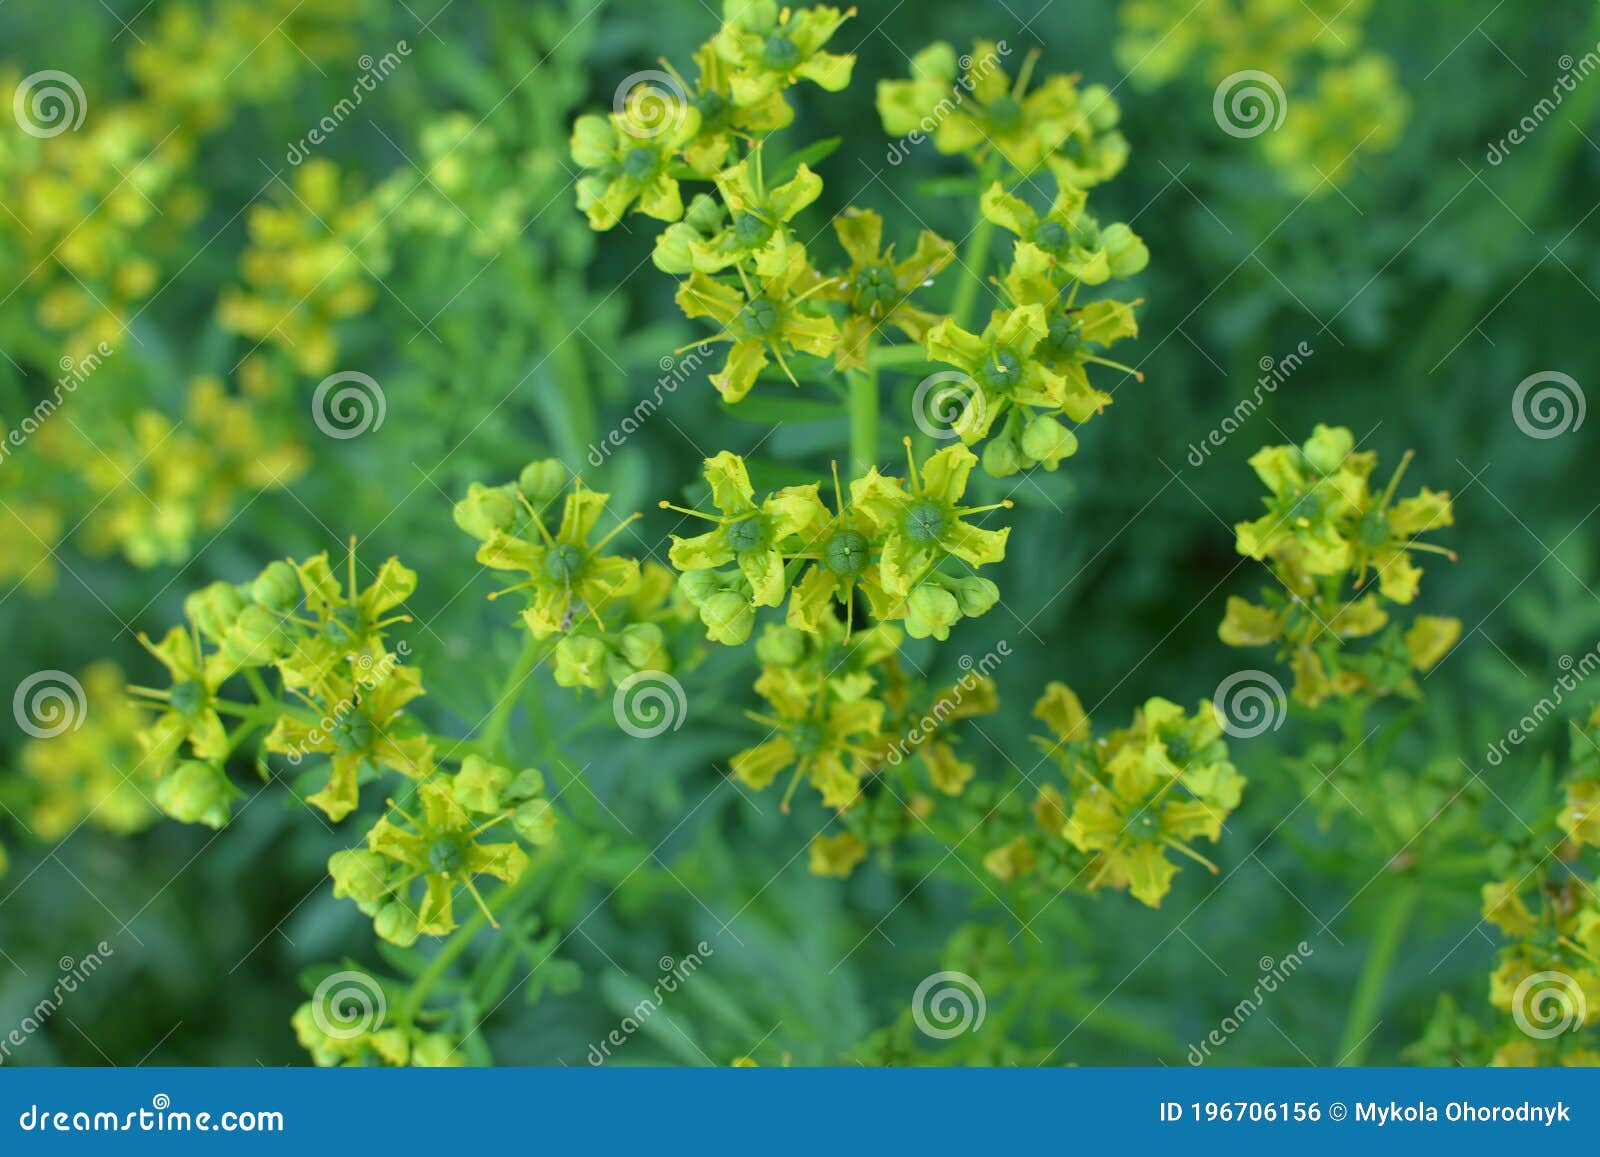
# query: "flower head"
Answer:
x=627 y=169
x=770 y=48
x=767 y=314
x=877 y=289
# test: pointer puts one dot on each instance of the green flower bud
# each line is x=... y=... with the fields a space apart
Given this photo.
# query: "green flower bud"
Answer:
x=484 y=510
x=535 y=821
x=975 y=596
x=581 y=662
x=642 y=646
x=700 y=585
x=277 y=587
x=704 y=214
x=214 y=608
x=931 y=610
x=528 y=784
x=396 y=923
x=673 y=253
x=542 y=481
x=1047 y=441
x=256 y=638
x=1002 y=457
x=781 y=646
x=1126 y=254
x=360 y=874
x=479 y=784
x=195 y=793
x=729 y=618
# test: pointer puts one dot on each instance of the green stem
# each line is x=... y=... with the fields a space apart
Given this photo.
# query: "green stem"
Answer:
x=884 y=356
x=975 y=257
x=495 y=729
x=863 y=421
x=1368 y=996
x=463 y=936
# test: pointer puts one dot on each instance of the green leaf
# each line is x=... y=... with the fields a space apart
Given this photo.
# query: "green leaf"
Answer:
x=810 y=155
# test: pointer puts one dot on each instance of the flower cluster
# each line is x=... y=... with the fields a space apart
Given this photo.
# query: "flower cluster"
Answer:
x=606 y=612
x=842 y=715
x=746 y=271
x=93 y=773
x=311 y=262
x=1341 y=100
x=890 y=542
x=1327 y=537
x=1132 y=798
x=972 y=108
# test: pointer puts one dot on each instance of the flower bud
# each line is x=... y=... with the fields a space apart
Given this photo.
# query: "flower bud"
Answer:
x=479 y=784
x=1002 y=457
x=781 y=646
x=396 y=923
x=931 y=610
x=729 y=618
x=975 y=596
x=700 y=585
x=642 y=646
x=581 y=662
x=535 y=821
x=1125 y=252
x=360 y=874
x=1047 y=441
x=214 y=609
x=256 y=638
x=277 y=587
x=542 y=481
x=528 y=783
x=195 y=793
x=484 y=510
